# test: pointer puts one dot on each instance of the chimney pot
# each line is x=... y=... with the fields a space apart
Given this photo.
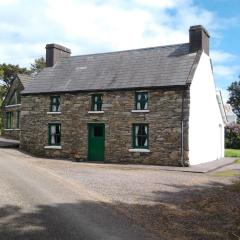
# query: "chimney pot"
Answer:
x=54 y=52
x=198 y=39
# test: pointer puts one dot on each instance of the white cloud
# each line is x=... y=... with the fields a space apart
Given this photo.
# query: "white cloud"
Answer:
x=222 y=57
x=90 y=26
x=226 y=71
x=7 y=2
x=160 y=3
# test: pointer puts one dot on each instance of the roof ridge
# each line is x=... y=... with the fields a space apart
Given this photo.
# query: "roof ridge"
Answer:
x=129 y=50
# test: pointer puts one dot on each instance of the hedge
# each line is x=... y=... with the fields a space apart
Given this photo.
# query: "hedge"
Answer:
x=232 y=136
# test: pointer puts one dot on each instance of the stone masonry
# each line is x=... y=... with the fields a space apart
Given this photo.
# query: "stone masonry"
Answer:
x=164 y=119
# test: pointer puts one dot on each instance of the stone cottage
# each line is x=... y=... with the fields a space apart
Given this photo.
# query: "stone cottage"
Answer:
x=12 y=105
x=139 y=106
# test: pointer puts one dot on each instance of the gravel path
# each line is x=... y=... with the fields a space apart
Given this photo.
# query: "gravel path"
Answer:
x=128 y=184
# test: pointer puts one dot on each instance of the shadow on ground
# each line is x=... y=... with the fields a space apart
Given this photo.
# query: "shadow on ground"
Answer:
x=202 y=212
x=205 y=212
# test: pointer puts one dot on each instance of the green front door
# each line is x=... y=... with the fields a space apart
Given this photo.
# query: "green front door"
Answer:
x=96 y=137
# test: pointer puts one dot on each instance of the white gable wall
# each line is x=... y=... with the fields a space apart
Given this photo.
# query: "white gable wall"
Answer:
x=206 y=127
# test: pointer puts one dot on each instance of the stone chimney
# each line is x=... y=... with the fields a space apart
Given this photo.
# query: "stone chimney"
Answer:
x=198 y=39
x=54 y=52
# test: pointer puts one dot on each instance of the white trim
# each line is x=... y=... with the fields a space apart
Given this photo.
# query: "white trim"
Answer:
x=53 y=147
x=12 y=129
x=140 y=111
x=14 y=105
x=54 y=113
x=143 y=150
x=95 y=111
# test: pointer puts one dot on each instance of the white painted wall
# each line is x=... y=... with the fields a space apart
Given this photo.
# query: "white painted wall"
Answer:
x=206 y=126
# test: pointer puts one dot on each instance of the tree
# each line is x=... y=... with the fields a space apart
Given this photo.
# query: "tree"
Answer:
x=234 y=96
x=38 y=65
x=9 y=71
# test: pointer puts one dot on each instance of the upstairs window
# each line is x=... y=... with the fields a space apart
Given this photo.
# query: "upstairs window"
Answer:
x=15 y=99
x=9 y=120
x=140 y=136
x=55 y=104
x=54 y=134
x=96 y=102
x=141 y=100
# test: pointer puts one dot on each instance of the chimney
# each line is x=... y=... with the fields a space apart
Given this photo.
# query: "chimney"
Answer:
x=198 y=39
x=54 y=52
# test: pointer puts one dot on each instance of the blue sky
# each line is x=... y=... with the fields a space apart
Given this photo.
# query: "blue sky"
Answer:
x=90 y=26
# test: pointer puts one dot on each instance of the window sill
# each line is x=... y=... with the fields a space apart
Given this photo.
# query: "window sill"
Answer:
x=12 y=129
x=95 y=112
x=140 y=111
x=53 y=147
x=14 y=105
x=140 y=150
x=54 y=113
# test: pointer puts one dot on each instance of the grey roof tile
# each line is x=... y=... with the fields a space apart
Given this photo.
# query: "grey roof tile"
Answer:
x=148 y=67
x=24 y=78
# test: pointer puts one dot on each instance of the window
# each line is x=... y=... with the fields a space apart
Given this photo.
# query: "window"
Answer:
x=97 y=102
x=55 y=104
x=140 y=136
x=15 y=99
x=54 y=134
x=141 y=100
x=98 y=131
x=9 y=120
x=18 y=119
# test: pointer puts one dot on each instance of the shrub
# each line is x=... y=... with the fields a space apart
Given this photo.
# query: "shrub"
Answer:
x=232 y=136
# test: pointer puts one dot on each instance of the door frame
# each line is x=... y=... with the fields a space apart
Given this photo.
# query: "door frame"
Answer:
x=89 y=132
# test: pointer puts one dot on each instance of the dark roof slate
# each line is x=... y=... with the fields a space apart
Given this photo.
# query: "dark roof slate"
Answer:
x=25 y=79
x=140 y=68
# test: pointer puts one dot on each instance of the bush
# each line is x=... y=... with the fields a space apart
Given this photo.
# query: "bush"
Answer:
x=232 y=136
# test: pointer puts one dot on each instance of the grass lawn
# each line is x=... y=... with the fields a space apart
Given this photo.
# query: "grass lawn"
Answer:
x=232 y=153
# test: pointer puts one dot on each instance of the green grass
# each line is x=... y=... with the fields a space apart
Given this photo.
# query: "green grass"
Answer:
x=232 y=153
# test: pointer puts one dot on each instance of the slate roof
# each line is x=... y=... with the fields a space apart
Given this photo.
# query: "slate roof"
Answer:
x=140 y=68
x=24 y=78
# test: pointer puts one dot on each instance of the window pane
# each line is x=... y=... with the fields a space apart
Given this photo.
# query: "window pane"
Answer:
x=141 y=136
x=54 y=134
x=98 y=131
x=55 y=104
x=96 y=102
x=141 y=100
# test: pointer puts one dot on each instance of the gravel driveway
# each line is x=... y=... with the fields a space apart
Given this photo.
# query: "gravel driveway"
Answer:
x=171 y=204
x=126 y=183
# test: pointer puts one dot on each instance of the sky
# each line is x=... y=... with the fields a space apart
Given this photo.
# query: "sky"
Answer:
x=93 y=26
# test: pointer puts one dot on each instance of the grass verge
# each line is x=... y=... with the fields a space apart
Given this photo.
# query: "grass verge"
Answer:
x=232 y=153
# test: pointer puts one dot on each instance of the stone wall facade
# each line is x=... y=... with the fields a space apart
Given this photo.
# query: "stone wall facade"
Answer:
x=164 y=119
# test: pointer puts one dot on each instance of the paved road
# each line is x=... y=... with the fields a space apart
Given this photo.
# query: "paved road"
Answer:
x=35 y=204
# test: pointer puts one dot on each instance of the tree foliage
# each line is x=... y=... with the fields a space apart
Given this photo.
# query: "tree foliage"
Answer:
x=232 y=136
x=38 y=65
x=234 y=97
x=9 y=71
